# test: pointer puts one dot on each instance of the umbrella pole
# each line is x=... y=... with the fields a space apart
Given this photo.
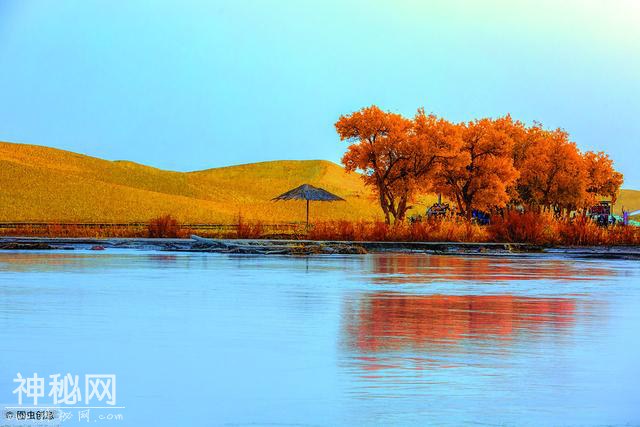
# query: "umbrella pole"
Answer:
x=307 y=213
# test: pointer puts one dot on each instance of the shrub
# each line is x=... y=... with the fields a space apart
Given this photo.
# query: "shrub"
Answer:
x=528 y=227
x=247 y=230
x=453 y=230
x=164 y=226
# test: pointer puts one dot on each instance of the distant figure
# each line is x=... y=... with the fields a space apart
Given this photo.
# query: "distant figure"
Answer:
x=480 y=217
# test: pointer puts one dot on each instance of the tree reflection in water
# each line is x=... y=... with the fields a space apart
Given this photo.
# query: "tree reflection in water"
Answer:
x=386 y=321
x=411 y=268
x=410 y=326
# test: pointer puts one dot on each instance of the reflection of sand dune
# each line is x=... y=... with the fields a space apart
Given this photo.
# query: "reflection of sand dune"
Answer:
x=411 y=268
x=390 y=321
x=59 y=261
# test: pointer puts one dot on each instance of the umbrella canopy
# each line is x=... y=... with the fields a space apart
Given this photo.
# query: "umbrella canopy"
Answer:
x=309 y=192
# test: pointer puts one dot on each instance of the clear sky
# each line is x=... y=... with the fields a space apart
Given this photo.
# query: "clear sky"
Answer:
x=188 y=85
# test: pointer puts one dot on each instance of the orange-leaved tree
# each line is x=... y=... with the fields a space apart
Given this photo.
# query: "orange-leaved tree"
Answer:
x=380 y=146
x=395 y=155
x=602 y=178
x=435 y=141
x=480 y=174
x=552 y=172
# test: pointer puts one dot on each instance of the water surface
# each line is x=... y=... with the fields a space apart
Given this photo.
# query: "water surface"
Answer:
x=386 y=339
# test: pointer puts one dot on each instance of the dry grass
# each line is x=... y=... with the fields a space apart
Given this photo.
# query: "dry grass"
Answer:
x=425 y=231
x=247 y=230
x=66 y=230
x=544 y=229
x=165 y=226
x=540 y=229
x=526 y=227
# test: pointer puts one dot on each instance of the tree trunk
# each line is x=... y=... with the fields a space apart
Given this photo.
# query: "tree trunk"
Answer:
x=401 y=210
x=384 y=206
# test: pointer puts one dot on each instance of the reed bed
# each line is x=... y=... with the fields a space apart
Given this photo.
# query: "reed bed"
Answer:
x=545 y=229
x=453 y=230
x=511 y=227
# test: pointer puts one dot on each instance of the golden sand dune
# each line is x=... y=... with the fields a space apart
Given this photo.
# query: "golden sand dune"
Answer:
x=629 y=200
x=46 y=184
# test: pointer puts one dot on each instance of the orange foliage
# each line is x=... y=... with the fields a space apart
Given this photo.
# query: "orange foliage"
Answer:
x=388 y=321
x=603 y=179
x=486 y=164
x=74 y=230
x=249 y=230
x=545 y=229
x=522 y=227
x=379 y=148
x=512 y=226
x=552 y=172
x=478 y=177
x=395 y=155
x=407 y=268
x=164 y=227
x=435 y=230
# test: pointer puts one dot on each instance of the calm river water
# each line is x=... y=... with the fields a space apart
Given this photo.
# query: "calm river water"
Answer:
x=387 y=339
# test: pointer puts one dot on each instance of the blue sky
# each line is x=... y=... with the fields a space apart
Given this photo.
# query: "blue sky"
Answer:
x=188 y=85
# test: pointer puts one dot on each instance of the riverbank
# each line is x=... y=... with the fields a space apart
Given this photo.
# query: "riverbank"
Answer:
x=309 y=247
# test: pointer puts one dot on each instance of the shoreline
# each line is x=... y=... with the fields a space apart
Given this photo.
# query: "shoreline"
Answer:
x=314 y=247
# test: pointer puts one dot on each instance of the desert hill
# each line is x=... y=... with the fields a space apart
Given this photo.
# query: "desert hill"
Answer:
x=46 y=184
